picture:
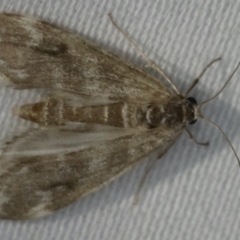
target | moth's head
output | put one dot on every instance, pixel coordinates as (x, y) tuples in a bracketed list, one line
[(192, 109)]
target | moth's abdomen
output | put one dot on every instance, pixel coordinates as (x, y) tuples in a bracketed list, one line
[(55, 112), (45, 113)]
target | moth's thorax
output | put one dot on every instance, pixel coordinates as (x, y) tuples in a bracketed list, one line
[(175, 113)]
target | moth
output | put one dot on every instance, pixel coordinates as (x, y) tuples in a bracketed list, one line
[(100, 117)]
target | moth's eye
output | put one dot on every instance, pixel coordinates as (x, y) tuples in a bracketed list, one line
[(192, 100), (193, 121)]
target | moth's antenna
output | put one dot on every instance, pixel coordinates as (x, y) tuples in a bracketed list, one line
[(213, 124), (229, 79), (225, 136), (195, 81), (151, 63)]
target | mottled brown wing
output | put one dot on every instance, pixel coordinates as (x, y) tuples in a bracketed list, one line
[(39, 176), (36, 54)]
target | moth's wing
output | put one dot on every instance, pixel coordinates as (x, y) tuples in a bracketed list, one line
[(36, 54), (36, 179)]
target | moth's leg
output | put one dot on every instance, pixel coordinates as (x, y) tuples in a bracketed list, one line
[(196, 80), (151, 63), (193, 138), (149, 167)]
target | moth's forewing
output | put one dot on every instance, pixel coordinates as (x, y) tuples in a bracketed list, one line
[(36, 54)]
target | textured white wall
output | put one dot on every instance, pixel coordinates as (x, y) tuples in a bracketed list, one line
[(193, 192)]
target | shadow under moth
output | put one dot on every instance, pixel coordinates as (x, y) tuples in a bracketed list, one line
[(101, 116)]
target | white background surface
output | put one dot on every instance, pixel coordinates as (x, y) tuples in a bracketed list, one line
[(193, 192)]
